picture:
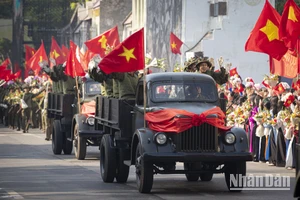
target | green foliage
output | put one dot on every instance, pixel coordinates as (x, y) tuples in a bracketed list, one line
[(279, 5), (6, 7), (5, 47), (46, 18)]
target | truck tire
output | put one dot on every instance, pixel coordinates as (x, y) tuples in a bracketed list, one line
[(236, 169), (67, 146), (108, 163), (122, 172), (79, 144), (191, 177), (57, 138), (206, 176), (144, 172)]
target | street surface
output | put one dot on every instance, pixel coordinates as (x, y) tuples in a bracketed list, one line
[(29, 170)]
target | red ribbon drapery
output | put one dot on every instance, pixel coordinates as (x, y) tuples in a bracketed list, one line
[(175, 120), (88, 108)]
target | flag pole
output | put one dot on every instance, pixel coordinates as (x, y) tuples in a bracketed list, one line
[(145, 71), (78, 96)]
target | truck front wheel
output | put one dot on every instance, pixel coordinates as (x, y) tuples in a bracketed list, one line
[(234, 170), (57, 138), (108, 163), (79, 144), (144, 172)]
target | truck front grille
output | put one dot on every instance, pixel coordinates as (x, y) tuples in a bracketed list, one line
[(198, 139)]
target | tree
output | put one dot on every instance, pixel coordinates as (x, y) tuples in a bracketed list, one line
[(5, 48), (279, 5), (6, 8)]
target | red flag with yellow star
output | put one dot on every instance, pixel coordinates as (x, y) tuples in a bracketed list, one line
[(175, 44), (56, 53), (289, 29), (98, 44), (233, 72), (279, 88), (265, 35), (29, 52), (73, 66), (65, 51), (128, 56), (39, 56)]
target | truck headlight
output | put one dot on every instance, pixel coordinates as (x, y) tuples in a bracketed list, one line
[(91, 121), (160, 138), (230, 138)]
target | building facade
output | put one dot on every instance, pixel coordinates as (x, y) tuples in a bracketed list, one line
[(214, 27)]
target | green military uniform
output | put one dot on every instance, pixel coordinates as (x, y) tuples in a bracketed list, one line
[(16, 113), (55, 77), (26, 113), (116, 88), (69, 84), (127, 85), (104, 79)]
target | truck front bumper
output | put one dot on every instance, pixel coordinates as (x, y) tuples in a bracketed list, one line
[(90, 133), (197, 157)]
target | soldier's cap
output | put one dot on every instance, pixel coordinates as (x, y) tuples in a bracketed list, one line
[(204, 60), (191, 61)]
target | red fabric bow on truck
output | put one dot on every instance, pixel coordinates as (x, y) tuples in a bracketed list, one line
[(175, 120)]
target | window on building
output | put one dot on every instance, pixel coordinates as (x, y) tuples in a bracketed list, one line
[(218, 8)]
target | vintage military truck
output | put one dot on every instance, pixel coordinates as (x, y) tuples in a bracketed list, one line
[(297, 186), (72, 128), (203, 149)]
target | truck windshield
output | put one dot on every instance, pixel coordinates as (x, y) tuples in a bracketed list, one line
[(184, 91), (93, 88)]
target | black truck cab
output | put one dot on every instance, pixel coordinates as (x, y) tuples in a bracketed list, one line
[(203, 149)]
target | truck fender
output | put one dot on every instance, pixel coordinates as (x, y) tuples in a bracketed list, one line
[(241, 144), (79, 119), (146, 138)]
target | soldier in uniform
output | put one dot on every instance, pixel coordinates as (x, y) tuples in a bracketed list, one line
[(204, 66), (16, 113), (110, 88), (127, 84), (47, 122), (26, 112)]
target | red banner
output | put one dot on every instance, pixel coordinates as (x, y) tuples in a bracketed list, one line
[(286, 67)]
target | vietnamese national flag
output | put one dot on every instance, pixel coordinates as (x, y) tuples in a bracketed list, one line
[(265, 35), (56, 52), (98, 44), (233, 72), (39, 56), (279, 88), (289, 29), (88, 55), (175, 44), (65, 51), (29, 52), (73, 67), (128, 56), (6, 62)]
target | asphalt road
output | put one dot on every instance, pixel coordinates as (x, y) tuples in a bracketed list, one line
[(29, 170)]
